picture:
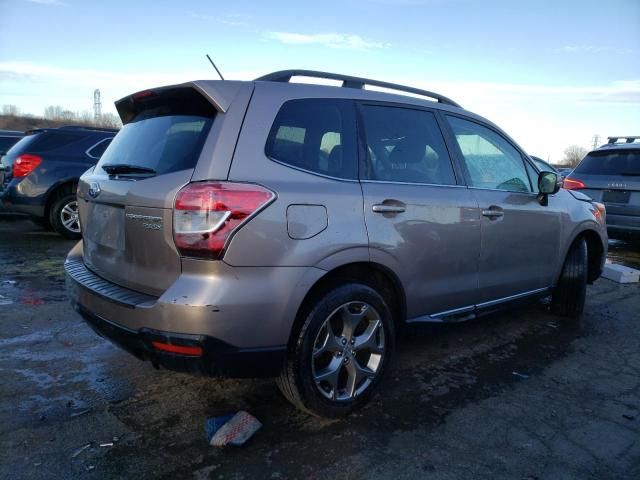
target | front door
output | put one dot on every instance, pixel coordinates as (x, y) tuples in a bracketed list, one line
[(520, 237), (421, 222)]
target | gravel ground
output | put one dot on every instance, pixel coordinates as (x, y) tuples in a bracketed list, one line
[(519, 395)]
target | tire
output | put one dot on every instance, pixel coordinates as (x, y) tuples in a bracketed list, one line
[(570, 293), (42, 222), (63, 214), (323, 344)]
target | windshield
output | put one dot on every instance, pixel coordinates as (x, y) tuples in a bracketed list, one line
[(164, 144), (616, 162)]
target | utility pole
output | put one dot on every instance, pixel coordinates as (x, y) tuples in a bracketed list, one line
[(596, 141), (97, 105)]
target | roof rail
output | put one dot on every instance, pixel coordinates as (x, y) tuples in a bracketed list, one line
[(353, 82), (629, 139), (87, 127)]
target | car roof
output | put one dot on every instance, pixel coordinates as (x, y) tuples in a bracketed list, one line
[(72, 128), (617, 146), (11, 133), (221, 93)]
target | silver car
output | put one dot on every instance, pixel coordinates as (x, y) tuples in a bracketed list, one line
[(271, 228), (611, 175)]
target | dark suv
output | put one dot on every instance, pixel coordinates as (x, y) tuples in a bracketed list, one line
[(611, 174), (39, 174)]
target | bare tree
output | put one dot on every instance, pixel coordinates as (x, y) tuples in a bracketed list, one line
[(573, 155), (53, 112), (109, 120), (10, 110)]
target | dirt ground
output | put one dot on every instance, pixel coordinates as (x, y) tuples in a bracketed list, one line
[(519, 395)]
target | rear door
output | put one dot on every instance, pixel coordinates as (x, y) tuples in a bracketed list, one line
[(421, 222), (126, 201), (520, 237)]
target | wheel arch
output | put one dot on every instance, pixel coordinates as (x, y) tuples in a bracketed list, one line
[(596, 252), (375, 275), (55, 189)]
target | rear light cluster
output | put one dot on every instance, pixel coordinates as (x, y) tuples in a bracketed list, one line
[(571, 184), (25, 164), (206, 214), (599, 212)]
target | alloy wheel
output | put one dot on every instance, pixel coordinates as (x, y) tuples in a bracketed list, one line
[(348, 351)]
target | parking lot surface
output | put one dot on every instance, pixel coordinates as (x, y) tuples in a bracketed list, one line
[(519, 395)]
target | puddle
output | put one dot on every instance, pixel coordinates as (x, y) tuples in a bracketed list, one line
[(625, 252)]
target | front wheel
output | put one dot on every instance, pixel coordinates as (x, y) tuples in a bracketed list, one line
[(340, 353), (570, 293)]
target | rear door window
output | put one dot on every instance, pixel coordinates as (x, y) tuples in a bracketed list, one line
[(405, 145), (617, 162), (47, 141), (97, 150), (318, 135), (165, 144)]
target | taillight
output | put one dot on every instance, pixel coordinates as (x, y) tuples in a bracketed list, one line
[(145, 94), (571, 184), (25, 164), (206, 214), (599, 212)]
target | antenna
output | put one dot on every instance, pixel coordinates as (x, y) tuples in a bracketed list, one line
[(214, 66)]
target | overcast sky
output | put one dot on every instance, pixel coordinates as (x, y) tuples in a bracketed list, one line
[(551, 73)]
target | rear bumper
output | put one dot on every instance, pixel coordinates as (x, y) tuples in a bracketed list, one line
[(240, 317), (623, 224), (13, 201), (218, 358)]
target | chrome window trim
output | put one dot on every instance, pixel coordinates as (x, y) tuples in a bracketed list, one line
[(94, 146), (304, 170), (414, 183)]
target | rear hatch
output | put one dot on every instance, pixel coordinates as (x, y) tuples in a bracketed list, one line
[(126, 201), (611, 176)]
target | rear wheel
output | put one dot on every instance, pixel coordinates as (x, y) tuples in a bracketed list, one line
[(63, 214), (340, 353), (570, 293)]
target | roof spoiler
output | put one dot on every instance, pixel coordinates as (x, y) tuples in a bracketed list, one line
[(217, 94)]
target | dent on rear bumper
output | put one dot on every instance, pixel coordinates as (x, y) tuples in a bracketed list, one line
[(246, 307)]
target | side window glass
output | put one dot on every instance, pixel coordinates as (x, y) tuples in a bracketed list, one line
[(491, 161), (405, 145), (98, 150), (318, 135)]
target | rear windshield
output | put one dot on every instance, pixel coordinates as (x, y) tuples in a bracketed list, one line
[(617, 162), (165, 144), (6, 143)]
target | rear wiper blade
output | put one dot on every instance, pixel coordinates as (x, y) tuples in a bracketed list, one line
[(115, 168), (630, 174)]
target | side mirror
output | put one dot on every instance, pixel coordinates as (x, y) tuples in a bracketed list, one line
[(548, 184)]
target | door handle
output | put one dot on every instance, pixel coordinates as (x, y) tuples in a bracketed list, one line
[(382, 208), (492, 213)]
